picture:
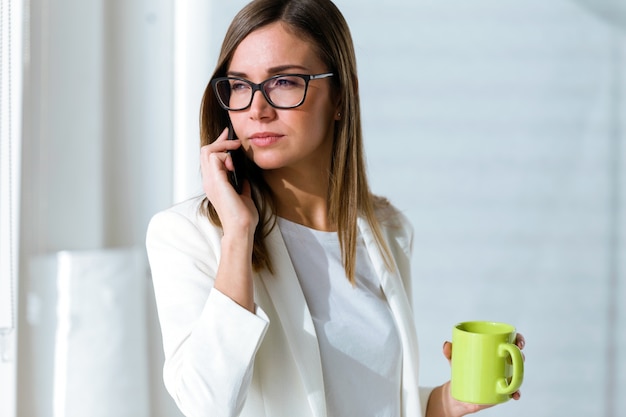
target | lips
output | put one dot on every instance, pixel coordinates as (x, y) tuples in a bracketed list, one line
[(262, 139)]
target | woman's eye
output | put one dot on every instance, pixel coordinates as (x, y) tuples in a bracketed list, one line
[(286, 82), (238, 86)]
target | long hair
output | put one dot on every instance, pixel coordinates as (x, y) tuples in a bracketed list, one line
[(349, 197)]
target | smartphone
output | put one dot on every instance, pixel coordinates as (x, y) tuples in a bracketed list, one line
[(236, 176)]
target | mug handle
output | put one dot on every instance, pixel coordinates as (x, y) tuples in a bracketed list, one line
[(518, 369)]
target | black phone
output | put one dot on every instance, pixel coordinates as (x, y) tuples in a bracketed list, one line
[(236, 176)]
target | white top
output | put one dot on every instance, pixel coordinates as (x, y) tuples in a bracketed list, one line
[(359, 344)]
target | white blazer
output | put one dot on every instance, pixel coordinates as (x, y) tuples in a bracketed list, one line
[(222, 360)]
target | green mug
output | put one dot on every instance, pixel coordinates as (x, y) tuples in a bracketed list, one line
[(487, 365)]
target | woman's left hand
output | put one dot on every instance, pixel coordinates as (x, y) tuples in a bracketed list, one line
[(442, 404)]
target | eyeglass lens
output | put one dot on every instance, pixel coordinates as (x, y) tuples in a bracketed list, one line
[(283, 91)]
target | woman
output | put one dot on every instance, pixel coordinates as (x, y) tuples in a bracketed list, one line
[(289, 298)]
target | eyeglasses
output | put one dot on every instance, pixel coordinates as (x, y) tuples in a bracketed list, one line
[(280, 91)]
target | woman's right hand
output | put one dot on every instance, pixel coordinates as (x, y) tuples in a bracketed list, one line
[(237, 212), (239, 218)]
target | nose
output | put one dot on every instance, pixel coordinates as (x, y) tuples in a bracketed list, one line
[(260, 108)]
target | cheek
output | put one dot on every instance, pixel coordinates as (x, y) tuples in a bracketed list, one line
[(321, 118), (317, 130)]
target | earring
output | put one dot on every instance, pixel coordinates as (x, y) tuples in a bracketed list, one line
[(338, 115)]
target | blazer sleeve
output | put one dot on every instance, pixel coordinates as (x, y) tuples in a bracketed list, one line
[(209, 341)]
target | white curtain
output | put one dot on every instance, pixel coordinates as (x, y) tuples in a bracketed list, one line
[(11, 59)]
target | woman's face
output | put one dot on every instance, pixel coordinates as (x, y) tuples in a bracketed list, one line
[(301, 138)]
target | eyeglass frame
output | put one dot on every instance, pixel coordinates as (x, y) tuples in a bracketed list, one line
[(259, 87)]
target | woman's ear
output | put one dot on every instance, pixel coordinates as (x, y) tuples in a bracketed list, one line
[(338, 107), (339, 104)]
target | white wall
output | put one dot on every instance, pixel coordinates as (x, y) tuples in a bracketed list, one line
[(497, 126), (504, 144), (507, 177)]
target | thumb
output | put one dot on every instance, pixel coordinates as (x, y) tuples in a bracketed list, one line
[(447, 350)]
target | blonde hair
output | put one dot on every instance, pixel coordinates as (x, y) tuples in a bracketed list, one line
[(349, 195)]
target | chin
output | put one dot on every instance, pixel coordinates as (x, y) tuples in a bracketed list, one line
[(267, 164)]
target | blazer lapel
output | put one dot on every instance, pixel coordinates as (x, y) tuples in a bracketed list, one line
[(391, 284), (288, 299), (390, 281)]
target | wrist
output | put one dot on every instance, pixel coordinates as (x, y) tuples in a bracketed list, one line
[(239, 229), (234, 273), (238, 241), (441, 404)]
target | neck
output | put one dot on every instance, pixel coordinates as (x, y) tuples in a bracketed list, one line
[(301, 197)]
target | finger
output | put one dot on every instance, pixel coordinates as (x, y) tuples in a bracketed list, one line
[(222, 143), (209, 156), (213, 165), (516, 395), (218, 148), (222, 136), (221, 146), (520, 341), (228, 161)]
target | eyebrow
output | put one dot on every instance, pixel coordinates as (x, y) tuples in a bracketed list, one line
[(273, 70)]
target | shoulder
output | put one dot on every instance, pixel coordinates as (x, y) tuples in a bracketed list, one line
[(186, 211), (391, 219), (394, 225), (188, 208), (183, 220)]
